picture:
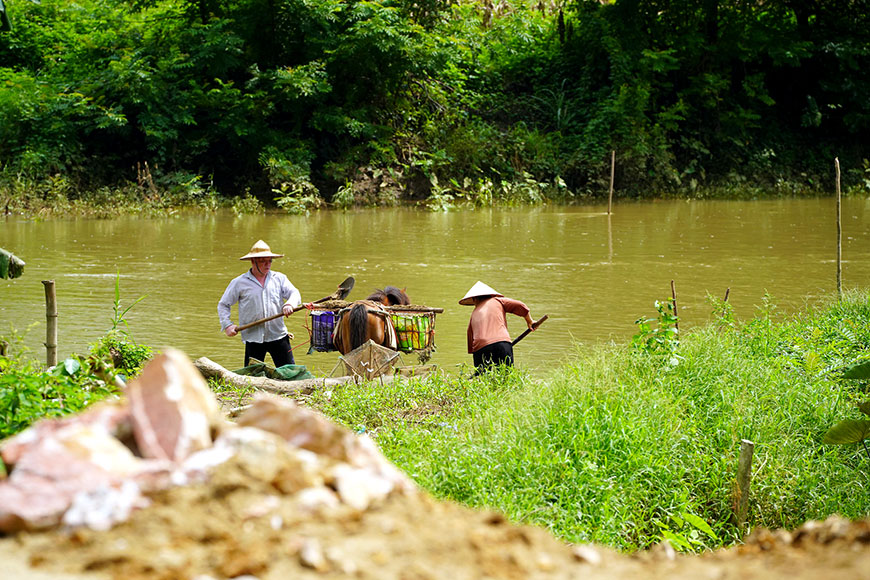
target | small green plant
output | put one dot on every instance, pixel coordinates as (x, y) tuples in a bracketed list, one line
[(723, 312), (297, 197), (849, 431), (687, 532), (117, 346), (663, 339), (344, 197), (440, 198), (28, 393), (230, 394), (119, 314), (246, 205)]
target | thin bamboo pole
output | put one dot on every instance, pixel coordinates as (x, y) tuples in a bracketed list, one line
[(839, 233), (51, 323), (609, 239), (727, 292), (744, 476), (612, 174), (674, 297)]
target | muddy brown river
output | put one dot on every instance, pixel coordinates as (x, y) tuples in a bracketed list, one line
[(593, 274)]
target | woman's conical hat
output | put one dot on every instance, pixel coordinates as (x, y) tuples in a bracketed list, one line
[(260, 250), (479, 289)]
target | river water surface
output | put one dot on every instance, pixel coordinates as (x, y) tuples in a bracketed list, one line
[(593, 274)]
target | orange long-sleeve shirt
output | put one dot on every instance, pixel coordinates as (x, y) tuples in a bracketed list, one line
[(488, 322)]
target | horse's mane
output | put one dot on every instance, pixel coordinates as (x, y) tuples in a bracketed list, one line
[(390, 296)]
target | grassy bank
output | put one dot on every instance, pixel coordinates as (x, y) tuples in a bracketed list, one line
[(626, 446)]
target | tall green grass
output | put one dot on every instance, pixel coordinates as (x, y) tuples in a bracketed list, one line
[(620, 446)]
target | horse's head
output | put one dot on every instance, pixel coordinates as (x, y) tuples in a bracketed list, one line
[(390, 296)]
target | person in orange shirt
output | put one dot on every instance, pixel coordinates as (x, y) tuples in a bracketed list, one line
[(488, 339)]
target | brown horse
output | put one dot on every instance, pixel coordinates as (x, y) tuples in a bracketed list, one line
[(366, 320)]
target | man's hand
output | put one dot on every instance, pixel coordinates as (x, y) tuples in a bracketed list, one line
[(231, 330), (531, 323), (287, 310)]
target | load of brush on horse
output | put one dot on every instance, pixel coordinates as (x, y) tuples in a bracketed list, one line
[(386, 318)]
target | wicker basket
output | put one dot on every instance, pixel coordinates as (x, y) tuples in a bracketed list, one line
[(414, 330), (322, 325)]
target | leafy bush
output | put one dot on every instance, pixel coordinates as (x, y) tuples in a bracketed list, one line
[(28, 394)]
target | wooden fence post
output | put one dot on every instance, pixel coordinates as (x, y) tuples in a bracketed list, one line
[(839, 234), (612, 173), (51, 323), (744, 476)]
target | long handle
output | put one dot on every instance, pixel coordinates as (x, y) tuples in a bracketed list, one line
[(262, 320), (528, 330), (343, 290)]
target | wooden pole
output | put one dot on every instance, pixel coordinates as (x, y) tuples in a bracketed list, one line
[(51, 323), (727, 292), (744, 475), (839, 234), (612, 173), (609, 239), (674, 296)]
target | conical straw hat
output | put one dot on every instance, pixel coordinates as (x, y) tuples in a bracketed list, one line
[(260, 250), (479, 289)]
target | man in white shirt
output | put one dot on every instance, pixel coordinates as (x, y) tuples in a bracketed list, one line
[(261, 293)]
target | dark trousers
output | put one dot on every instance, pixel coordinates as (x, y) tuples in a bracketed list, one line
[(279, 349), (497, 353)]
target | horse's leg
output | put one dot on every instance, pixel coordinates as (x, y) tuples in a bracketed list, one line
[(377, 328)]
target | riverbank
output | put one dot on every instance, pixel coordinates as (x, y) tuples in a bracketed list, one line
[(628, 444), (57, 197)]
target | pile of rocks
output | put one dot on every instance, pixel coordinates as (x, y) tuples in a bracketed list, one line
[(95, 468)]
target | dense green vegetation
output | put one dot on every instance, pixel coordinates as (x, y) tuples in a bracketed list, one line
[(29, 392), (178, 102), (628, 444)]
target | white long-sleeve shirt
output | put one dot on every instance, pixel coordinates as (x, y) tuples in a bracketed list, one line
[(258, 301)]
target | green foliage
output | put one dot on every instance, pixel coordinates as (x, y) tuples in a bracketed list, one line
[(723, 312), (299, 198), (440, 198), (697, 99), (688, 532), (344, 197), (119, 313), (28, 394), (246, 205), (610, 449), (662, 339), (116, 346), (231, 394), (850, 431)]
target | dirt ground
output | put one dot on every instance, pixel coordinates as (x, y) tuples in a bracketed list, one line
[(238, 527)]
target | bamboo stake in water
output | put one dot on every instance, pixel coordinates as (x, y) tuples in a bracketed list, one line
[(612, 172), (51, 323), (674, 296), (727, 292), (839, 234), (744, 475)]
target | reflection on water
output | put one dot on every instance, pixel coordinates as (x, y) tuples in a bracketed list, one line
[(592, 273)]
